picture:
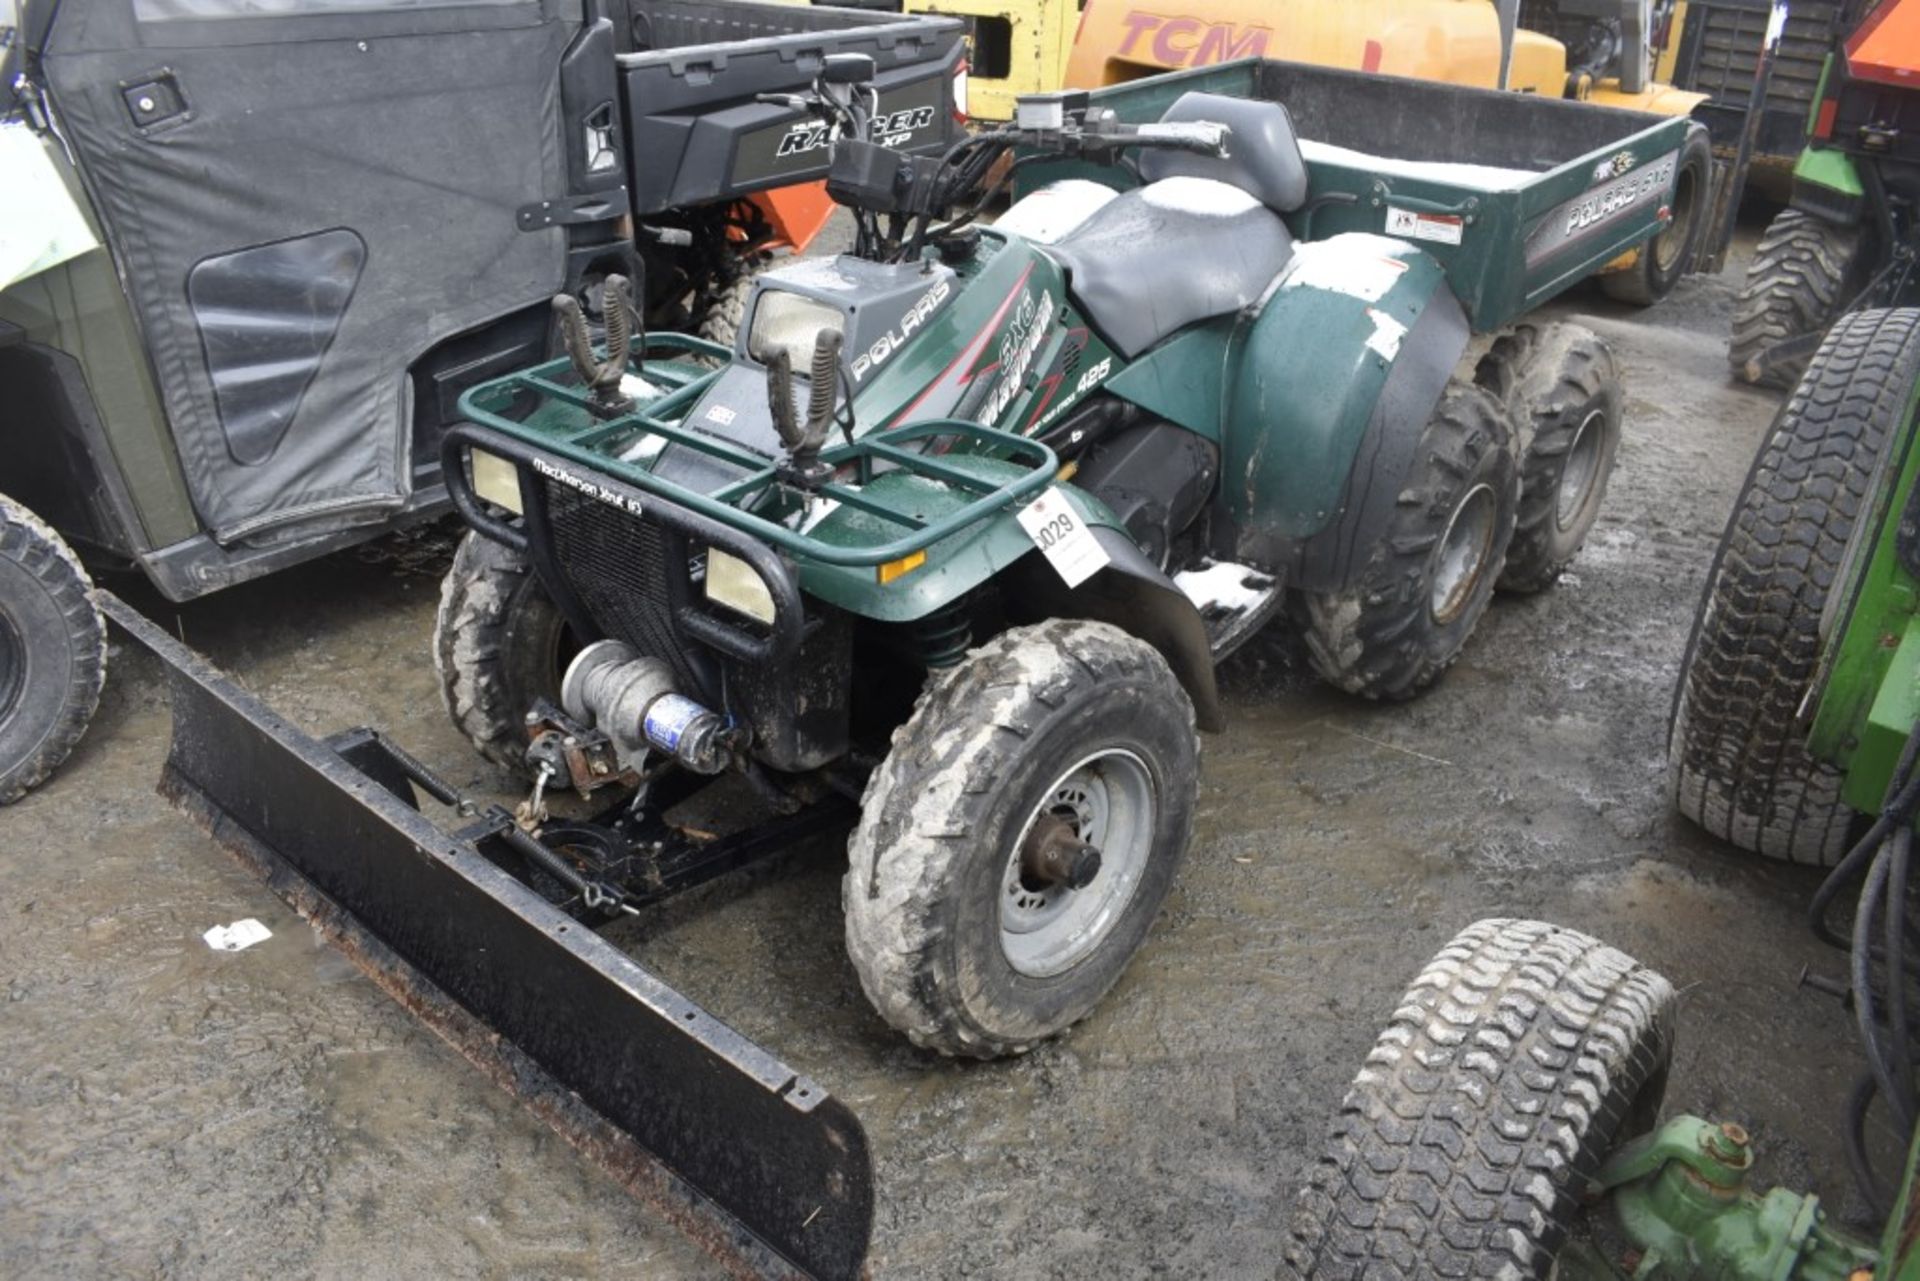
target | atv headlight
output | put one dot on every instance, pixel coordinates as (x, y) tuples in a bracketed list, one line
[(737, 585), (495, 480), (787, 322)]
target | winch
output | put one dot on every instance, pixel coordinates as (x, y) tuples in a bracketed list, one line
[(631, 698)]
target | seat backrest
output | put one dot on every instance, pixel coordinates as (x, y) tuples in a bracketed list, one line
[(1263, 154)]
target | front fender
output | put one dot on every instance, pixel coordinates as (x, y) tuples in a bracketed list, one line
[(1130, 592), (954, 566), (1331, 383)]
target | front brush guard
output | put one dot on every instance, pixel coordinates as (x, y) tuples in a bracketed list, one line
[(757, 1163)]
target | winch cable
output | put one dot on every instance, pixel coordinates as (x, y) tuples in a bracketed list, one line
[(1884, 855)]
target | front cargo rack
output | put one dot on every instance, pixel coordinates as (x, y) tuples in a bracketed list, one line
[(546, 414)]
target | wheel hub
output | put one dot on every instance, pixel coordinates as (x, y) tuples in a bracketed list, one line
[(13, 667), (1580, 471), (1080, 855), (1460, 558)]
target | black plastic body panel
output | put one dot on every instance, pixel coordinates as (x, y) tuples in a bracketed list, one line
[(58, 461), (696, 133)]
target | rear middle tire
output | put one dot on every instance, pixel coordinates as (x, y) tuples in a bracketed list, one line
[(1430, 576)]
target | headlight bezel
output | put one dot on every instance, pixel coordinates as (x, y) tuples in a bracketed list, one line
[(799, 318), (734, 584)]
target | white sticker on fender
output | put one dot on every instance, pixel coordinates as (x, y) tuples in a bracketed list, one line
[(1445, 229), (1063, 538)]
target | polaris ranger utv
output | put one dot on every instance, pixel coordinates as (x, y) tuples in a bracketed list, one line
[(945, 552), (252, 254)]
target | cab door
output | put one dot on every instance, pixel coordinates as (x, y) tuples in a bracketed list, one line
[(302, 197)]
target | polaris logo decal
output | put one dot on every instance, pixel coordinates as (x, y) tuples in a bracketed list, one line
[(895, 338), (1602, 208), (592, 489), (894, 129)]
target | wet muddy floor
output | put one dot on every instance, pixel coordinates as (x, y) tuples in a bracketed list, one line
[(168, 1110)]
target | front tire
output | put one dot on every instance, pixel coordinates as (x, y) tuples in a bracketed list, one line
[(499, 643), (1737, 759), (1669, 256), (1804, 270), (1519, 1059), (1562, 388), (1070, 730), (53, 651), (1429, 578)]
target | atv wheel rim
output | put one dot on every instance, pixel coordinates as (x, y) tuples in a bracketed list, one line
[(1461, 558), (1108, 800), (1671, 243), (1580, 471), (13, 668)]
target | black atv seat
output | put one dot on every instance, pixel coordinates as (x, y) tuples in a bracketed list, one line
[(1201, 239), (1165, 255)]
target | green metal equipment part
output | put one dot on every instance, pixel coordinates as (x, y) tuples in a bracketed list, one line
[(1681, 1196)]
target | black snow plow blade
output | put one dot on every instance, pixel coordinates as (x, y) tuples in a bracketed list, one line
[(757, 1163)]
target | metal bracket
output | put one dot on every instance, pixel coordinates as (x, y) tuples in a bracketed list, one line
[(566, 211)]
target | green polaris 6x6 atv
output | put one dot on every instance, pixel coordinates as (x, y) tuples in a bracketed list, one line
[(944, 551), (1006, 494)]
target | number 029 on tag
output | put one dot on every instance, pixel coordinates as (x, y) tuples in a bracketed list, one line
[(1063, 538)]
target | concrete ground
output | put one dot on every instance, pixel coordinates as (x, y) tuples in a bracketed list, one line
[(167, 1110)]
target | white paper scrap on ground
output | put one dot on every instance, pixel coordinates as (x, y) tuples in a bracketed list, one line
[(238, 936)]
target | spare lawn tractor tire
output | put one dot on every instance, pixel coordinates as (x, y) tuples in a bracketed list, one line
[(1562, 388), (499, 643), (1016, 845), (53, 651), (1804, 270), (1429, 577), (1737, 760), (1671, 254), (1520, 1058)]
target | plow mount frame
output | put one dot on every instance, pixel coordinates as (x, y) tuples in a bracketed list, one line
[(755, 1162)]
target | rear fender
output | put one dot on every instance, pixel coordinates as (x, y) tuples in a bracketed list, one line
[(1131, 592), (1331, 384)]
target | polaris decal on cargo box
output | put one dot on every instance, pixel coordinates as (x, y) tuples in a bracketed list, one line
[(1603, 208), (908, 118)]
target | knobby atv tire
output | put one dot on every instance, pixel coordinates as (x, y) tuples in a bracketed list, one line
[(1736, 750), (728, 310), (499, 643), (1521, 1056), (1668, 257), (53, 651), (1555, 380), (926, 865), (1380, 638), (1804, 270)]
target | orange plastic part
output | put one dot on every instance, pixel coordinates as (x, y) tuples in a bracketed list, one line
[(1886, 48), (795, 213)]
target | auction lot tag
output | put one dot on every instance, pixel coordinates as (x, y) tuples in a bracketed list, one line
[(1446, 229), (1057, 530)]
